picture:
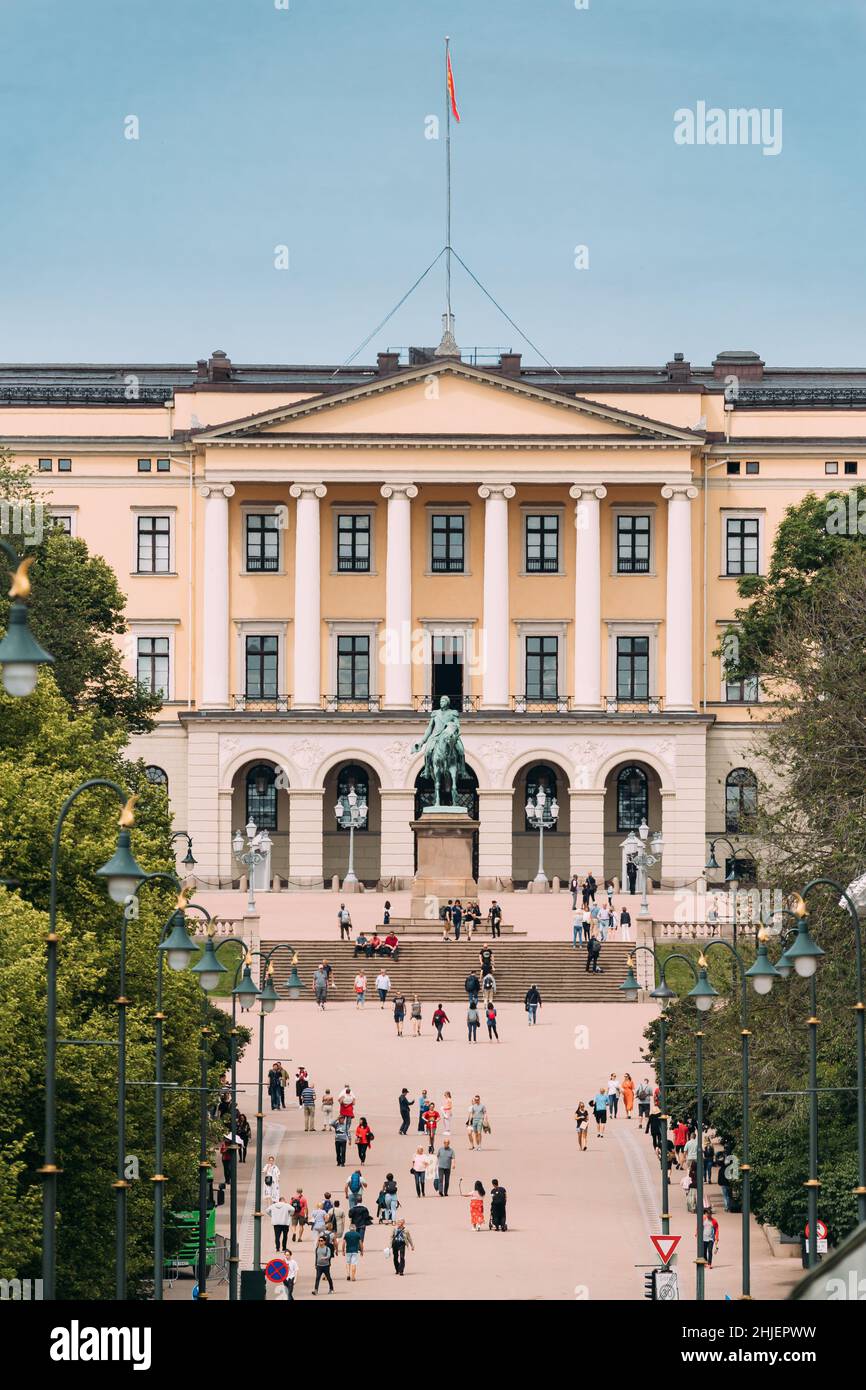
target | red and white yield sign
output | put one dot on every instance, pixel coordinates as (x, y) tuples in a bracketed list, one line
[(665, 1246)]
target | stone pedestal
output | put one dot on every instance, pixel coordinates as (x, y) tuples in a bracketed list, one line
[(444, 838)]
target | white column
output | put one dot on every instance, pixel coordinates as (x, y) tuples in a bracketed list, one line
[(398, 596), (215, 603), (587, 596), (497, 630), (307, 677), (679, 693), (398, 841), (495, 838)]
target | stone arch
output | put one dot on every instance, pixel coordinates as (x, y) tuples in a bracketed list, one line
[(525, 776), (368, 840), (351, 755), (278, 828), (633, 755), (651, 808), (230, 769)]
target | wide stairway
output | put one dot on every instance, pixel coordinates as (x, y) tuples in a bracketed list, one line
[(436, 970)]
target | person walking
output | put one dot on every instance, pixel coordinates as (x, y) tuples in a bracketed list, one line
[(383, 984), (274, 1086), (709, 1158), (354, 1190), (271, 1174), (600, 1107), (488, 988), (415, 1014), (399, 1013), (400, 1238), (344, 917), (300, 1211), (476, 1204), (457, 918), (680, 1137), (342, 1135), (404, 1103), (353, 1252), (440, 1018), (308, 1101), (390, 1202), (301, 1080), (593, 951), (346, 1102), (431, 1124), (477, 1122), (292, 1268), (486, 962), (498, 1202), (280, 1214), (710, 1236), (472, 985), (613, 1096), (447, 1111), (532, 1003), (576, 927), (445, 918), (360, 989), (589, 887), (494, 917), (625, 924), (320, 985), (644, 1098), (364, 1137), (284, 1085), (490, 1019), (574, 889), (473, 1018), (324, 1256), (581, 1120), (444, 1163), (419, 1170), (327, 1109), (424, 1103), (627, 1093)]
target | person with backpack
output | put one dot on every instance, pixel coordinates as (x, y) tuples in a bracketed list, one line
[(498, 1200), (494, 916), (644, 1095), (364, 1137), (532, 1003), (360, 1218), (440, 1018), (390, 1202), (399, 1013), (472, 985), (300, 1209), (473, 1018), (593, 951), (354, 1190), (445, 919), (399, 1240), (342, 1135), (346, 1102), (490, 1018), (344, 917), (324, 1256)]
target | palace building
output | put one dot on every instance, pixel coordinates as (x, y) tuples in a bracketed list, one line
[(313, 556)]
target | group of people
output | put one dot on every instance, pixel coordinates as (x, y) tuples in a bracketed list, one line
[(335, 1229), (456, 918), (605, 1105), (587, 887)]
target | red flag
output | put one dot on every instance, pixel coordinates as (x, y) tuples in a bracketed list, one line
[(449, 78)]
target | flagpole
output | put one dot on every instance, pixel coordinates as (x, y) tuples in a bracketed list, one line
[(447, 188)]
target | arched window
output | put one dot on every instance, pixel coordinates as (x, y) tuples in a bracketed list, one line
[(156, 777), (741, 798), (353, 776), (541, 777), (262, 796), (632, 798)]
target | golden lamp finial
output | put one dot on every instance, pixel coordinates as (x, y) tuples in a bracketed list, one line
[(21, 579), (183, 897), (702, 961), (127, 815)]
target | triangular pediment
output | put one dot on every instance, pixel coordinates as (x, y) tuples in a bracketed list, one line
[(447, 398)]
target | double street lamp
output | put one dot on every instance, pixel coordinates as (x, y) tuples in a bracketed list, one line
[(351, 813), (543, 813), (251, 853), (643, 849)]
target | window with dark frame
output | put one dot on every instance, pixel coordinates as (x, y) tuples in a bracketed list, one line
[(744, 692), (353, 667), (163, 465), (741, 798), (46, 465), (632, 668), (742, 542), (64, 465), (262, 652), (145, 465), (156, 777), (152, 670), (261, 796), (447, 535), (542, 668), (353, 542), (632, 798), (632, 544), (154, 545), (355, 778), (851, 467), (262, 542), (542, 543)]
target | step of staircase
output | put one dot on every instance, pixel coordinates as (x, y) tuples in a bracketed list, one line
[(436, 970)]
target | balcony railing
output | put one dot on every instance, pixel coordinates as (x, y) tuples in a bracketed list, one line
[(348, 704), (527, 704), (617, 704), (466, 704), (262, 704)]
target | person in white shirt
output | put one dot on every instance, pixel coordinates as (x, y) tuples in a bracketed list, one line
[(271, 1175), (291, 1276), (612, 1096), (614, 922), (360, 990), (383, 984), (280, 1214)]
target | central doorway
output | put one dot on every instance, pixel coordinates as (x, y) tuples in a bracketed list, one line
[(447, 660)]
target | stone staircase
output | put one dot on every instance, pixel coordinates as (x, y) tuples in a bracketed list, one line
[(436, 970)]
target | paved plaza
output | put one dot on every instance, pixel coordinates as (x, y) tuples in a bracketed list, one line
[(578, 1224)]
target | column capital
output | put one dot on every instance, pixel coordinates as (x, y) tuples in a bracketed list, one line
[(389, 490), (503, 490), (316, 490), (683, 492), (223, 490), (580, 490)]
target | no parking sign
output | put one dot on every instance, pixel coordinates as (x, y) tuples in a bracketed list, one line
[(276, 1271)]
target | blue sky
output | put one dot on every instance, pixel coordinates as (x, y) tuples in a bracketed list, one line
[(305, 127)]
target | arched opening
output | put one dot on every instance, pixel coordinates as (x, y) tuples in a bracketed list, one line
[(361, 779), (467, 795), (259, 795), (741, 800), (157, 777), (632, 794), (525, 835)]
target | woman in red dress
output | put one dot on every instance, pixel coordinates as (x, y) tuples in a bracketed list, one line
[(476, 1205)]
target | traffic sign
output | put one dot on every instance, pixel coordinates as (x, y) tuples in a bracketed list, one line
[(822, 1237), (276, 1271), (667, 1287), (195, 1291), (665, 1246)]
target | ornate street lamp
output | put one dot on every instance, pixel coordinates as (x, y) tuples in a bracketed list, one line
[(712, 862), (251, 854), (351, 814), (543, 813), (20, 653), (189, 861), (643, 850)]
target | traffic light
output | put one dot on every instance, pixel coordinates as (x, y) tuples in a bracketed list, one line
[(649, 1285)]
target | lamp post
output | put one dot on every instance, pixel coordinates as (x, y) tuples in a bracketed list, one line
[(122, 875), (251, 854), (543, 812), (20, 653), (245, 993), (662, 992), (268, 1000), (189, 861), (643, 850), (351, 813), (712, 863)]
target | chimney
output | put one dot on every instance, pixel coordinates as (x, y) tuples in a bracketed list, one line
[(679, 369), (509, 363), (387, 362), (201, 369), (219, 368), (747, 366)]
